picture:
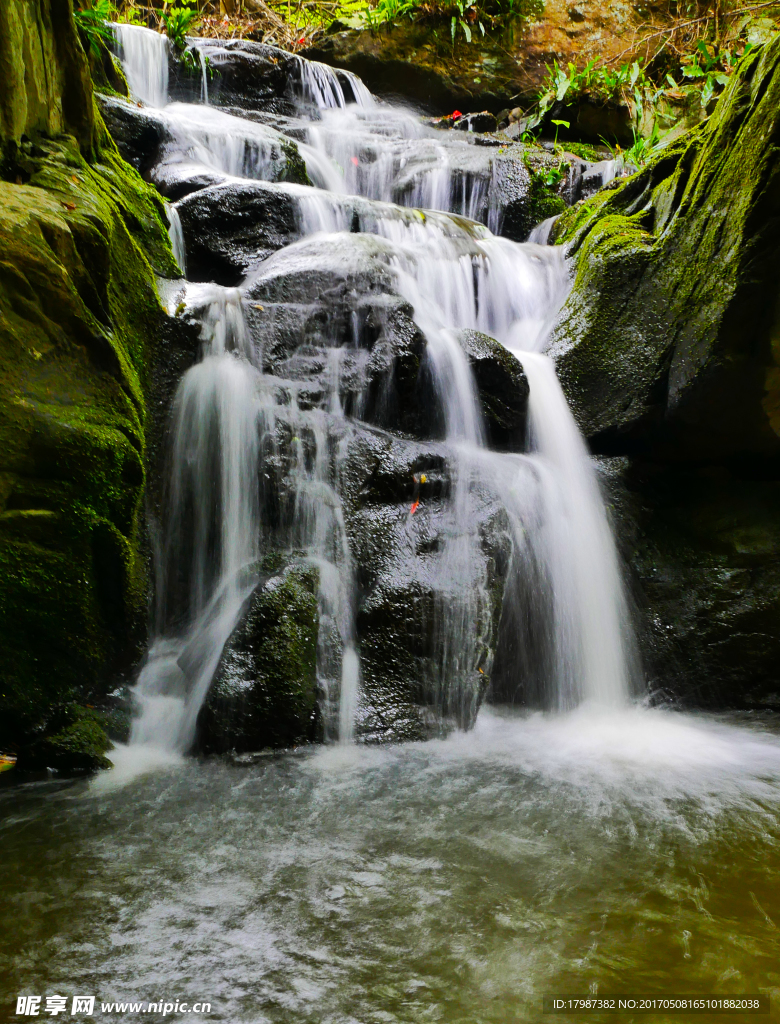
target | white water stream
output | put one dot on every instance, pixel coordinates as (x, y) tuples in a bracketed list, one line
[(229, 415)]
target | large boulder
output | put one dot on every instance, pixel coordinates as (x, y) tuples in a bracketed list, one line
[(665, 345), (79, 330), (244, 74), (667, 350), (428, 606), (230, 227), (264, 692)]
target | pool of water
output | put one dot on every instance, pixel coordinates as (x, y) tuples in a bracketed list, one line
[(453, 881)]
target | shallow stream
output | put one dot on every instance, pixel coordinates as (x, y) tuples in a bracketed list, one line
[(455, 881)]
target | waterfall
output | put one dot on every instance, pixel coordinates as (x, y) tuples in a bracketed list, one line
[(177, 237), (246, 438), (144, 56), (322, 86), (594, 640)]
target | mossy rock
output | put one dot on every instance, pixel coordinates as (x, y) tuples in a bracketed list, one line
[(80, 323), (45, 86), (669, 343), (264, 692), (76, 740)]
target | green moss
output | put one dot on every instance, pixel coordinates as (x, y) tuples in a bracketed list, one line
[(265, 690), (664, 340), (79, 319), (77, 741), (543, 201), (295, 166)]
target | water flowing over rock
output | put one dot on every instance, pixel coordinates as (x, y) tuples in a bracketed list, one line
[(666, 348), (363, 340)]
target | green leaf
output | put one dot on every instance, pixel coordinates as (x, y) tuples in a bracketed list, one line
[(563, 87), (563, 124), (466, 31), (453, 25)]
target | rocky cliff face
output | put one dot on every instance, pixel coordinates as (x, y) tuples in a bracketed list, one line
[(418, 61), (81, 328), (668, 350)]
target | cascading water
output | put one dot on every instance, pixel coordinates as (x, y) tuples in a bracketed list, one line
[(144, 56), (373, 168)]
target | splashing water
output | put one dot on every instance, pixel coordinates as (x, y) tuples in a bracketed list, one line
[(374, 167)]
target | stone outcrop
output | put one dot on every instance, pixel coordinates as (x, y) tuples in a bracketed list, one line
[(668, 351), (80, 322), (417, 61)]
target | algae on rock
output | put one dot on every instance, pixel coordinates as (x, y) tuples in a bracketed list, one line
[(83, 237), (668, 349), (665, 344)]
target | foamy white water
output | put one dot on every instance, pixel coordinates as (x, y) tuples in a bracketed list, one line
[(373, 167)]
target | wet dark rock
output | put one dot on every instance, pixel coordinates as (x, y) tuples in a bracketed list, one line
[(231, 227), (502, 388), (245, 74), (704, 550), (139, 136), (178, 178), (264, 692), (481, 122), (404, 606)]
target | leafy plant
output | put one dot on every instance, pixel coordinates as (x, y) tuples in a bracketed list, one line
[(554, 175), (467, 19), (177, 21), (710, 69), (91, 20), (559, 124)]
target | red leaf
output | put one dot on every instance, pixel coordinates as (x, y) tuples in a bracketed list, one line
[(457, 113), (355, 161), (413, 509)]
